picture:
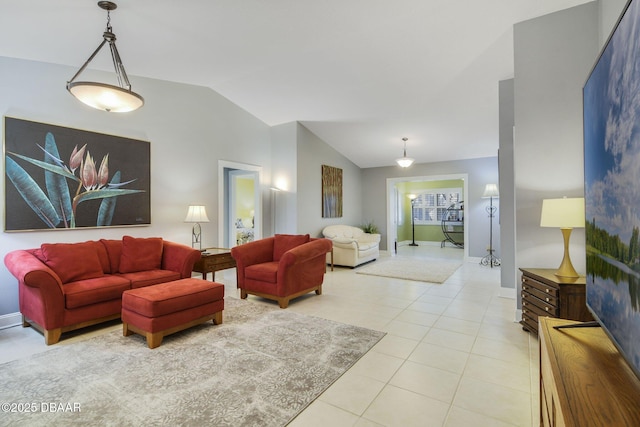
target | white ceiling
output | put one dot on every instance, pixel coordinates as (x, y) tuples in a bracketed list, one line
[(360, 74)]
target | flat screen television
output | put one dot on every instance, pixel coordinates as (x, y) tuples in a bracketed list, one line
[(611, 100)]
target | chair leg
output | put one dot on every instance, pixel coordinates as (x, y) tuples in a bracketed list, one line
[(52, 336), (319, 290), (243, 294), (283, 302)]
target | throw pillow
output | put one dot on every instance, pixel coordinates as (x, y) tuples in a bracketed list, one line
[(140, 254), (285, 242), (72, 261)]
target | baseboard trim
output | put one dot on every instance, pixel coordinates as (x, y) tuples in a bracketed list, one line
[(518, 315), (509, 293), (10, 320)]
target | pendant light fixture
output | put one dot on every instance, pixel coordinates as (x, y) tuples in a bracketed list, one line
[(116, 99), (404, 161)]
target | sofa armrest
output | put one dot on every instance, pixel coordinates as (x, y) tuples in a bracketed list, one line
[(43, 299), (179, 258), (369, 238)]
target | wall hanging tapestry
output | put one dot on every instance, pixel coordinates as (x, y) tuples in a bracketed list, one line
[(61, 178), (331, 192)]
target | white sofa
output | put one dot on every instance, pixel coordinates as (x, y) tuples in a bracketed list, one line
[(351, 245)]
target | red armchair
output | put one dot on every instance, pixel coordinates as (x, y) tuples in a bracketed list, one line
[(282, 267)]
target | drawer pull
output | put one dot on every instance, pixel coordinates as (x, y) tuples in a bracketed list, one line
[(547, 299), (546, 309), (547, 290), (524, 288), (524, 303)]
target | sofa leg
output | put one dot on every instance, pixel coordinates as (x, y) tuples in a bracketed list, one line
[(52, 336), (125, 330), (283, 302), (25, 323), (217, 318), (319, 290), (243, 294)]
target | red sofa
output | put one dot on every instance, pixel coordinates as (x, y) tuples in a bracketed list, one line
[(281, 267), (67, 286)]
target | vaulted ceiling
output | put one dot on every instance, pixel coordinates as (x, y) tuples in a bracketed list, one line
[(360, 74)]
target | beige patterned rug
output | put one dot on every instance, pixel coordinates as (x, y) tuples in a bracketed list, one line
[(419, 269), (261, 367)]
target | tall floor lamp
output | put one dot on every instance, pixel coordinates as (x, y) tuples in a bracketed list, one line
[(412, 197), (490, 191), (196, 214)]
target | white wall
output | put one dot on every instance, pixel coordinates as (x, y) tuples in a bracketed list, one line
[(190, 128), (508, 277), (553, 56)]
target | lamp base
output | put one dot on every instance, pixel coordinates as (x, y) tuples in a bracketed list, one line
[(566, 268), (491, 260)]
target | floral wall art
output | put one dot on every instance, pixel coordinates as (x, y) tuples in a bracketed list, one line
[(64, 178)]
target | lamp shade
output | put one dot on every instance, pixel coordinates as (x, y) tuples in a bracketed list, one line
[(196, 214), (404, 162), (106, 97), (490, 190), (563, 213)]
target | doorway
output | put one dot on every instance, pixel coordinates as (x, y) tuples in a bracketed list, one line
[(396, 197), (239, 203)]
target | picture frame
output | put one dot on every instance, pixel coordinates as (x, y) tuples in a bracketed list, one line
[(60, 178), (331, 192)]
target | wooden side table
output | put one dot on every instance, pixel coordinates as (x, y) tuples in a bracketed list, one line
[(212, 260)]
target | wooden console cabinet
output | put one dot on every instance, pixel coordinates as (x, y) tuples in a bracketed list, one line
[(546, 295), (583, 379)]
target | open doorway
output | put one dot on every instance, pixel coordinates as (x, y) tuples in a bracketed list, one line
[(239, 203), (400, 210)]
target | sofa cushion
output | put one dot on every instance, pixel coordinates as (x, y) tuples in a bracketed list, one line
[(284, 242), (140, 279), (114, 251), (72, 261), (265, 272), (140, 254), (92, 291)]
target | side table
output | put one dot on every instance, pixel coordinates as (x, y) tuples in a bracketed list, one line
[(212, 260)]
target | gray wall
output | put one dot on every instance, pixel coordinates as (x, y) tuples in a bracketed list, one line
[(508, 279), (190, 128), (480, 172), (312, 154), (553, 55)]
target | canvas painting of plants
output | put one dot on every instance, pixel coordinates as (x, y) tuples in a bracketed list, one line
[(63, 178)]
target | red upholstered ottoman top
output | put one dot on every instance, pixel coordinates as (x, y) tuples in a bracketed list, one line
[(170, 297)]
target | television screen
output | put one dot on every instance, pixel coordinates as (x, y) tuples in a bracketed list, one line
[(611, 98)]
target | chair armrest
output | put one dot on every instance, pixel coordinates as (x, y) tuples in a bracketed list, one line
[(299, 254), (179, 258), (255, 252)]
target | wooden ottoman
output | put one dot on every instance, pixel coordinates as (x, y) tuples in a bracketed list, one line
[(160, 310)]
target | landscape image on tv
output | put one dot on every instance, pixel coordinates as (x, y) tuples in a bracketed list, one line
[(612, 186)]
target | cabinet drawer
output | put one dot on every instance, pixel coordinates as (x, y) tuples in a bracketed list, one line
[(545, 310), (529, 321), (550, 298), (547, 305), (533, 285)]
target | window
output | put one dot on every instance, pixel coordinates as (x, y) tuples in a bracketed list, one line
[(430, 205)]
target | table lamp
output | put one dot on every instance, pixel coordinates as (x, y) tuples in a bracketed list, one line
[(196, 214), (565, 214)]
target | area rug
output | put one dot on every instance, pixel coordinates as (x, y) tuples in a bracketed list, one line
[(261, 367), (419, 269)]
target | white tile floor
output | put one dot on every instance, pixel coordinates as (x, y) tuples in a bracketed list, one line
[(452, 356)]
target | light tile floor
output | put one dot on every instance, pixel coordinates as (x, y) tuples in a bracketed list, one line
[(453, 354)]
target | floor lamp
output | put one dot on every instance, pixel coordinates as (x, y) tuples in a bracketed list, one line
[(491, 191), (412, 197)]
